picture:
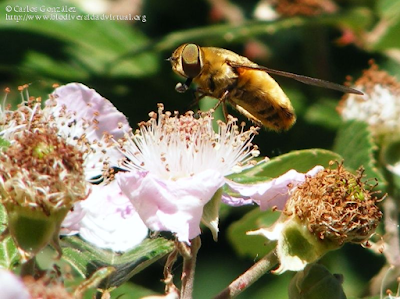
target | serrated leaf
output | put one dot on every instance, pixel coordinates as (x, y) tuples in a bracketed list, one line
[(86, 258), (9, 255), (354, 142), (301, 161), (252, 246)]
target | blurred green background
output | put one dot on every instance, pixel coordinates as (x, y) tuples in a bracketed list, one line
[(125, 61)]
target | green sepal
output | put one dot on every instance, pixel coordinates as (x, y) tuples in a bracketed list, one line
[(210, 217), (32, 230)]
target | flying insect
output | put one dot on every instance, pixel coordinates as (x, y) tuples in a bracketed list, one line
[(245, 85)]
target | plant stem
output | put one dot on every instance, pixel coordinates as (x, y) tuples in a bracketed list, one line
[(168, 277), (249, 277), (28, 268), (189, 266)]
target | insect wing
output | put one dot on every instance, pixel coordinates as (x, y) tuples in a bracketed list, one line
[(301, 78)]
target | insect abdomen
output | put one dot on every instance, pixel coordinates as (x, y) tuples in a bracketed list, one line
[(263, 99)]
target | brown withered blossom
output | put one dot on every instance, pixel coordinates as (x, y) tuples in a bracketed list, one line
[(327, 210), (336, 205)]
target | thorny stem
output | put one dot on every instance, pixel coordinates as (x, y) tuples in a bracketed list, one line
[(249, 277), (189, 265)]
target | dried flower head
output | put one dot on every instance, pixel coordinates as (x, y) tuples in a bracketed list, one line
[(323, 213), (380, 104), (46, 287), (337, 206), (41, 172), (41, 177)]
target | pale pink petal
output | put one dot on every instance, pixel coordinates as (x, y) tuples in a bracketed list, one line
[(271, 193), (72, 222), (171, 205), (91, 115), (110, 220), (11, 286), (89, 105)]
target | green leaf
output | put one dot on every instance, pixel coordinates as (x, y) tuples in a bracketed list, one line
[(83, 47), (301, 161), (9, 255), (356, 19), (134, 291), (354, 142), (252, 246), (389, 38), (388, 9), (93, 281), (86, 258), (390, 155), (315, 282), (389, 26), (324, 113)]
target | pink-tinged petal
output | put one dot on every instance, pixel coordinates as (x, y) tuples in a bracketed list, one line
[(171, 205), (269, 194), (72, 222), (11, 286), (110, 220), (89, 105), (239, 199), (82, 111)]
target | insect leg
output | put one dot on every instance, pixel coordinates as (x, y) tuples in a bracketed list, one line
[(197, 96), (222, 101)]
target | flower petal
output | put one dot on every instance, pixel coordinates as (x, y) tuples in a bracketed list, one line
[(89, 105), (109, 221), (171, 205), (268, 194), (72, 222), (92, 116), (11, 286)]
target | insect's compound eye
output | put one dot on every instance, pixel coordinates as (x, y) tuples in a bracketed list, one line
[(191, 62)]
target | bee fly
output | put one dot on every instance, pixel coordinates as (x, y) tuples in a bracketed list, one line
[(245, 85)]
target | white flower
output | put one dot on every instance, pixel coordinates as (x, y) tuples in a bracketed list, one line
[(106, 218), (380, 104), (176, 164), (110, 220)]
